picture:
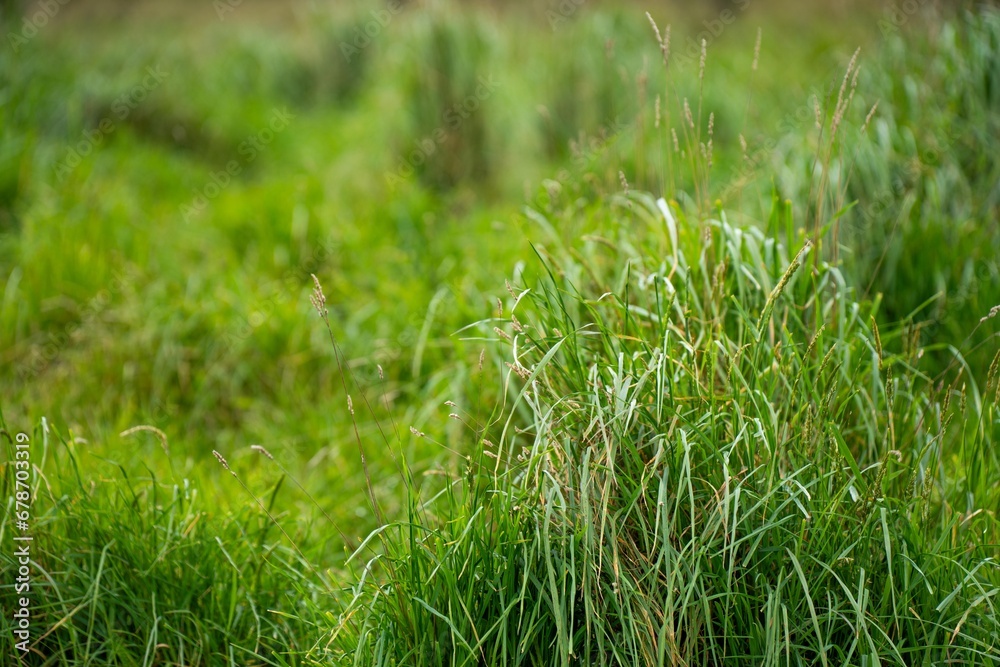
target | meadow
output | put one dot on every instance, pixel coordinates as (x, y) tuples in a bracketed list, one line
[(437, 333)]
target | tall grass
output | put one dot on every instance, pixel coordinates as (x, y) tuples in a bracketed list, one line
[(687, 443), (921, 181), (712, 455), (931, 185), (709, 457), (137, 569)]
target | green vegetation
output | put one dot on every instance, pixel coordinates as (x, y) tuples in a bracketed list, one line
[(720, 463), (752, 422), (130, 571)]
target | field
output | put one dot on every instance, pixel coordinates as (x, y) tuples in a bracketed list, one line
[(550, 333)]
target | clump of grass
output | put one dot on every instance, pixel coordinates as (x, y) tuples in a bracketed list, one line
[(704, 428), (138, 570), (921, 181), (706, 460)]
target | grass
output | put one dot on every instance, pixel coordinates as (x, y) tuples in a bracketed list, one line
[(934, 171), (133, 569), (708, 458), (823, 458)]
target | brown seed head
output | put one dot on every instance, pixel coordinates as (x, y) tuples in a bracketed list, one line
[(262, 450), (222, 461)]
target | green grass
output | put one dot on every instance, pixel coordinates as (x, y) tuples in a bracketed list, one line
[(136, 569), (943, 187), (121, 307), (710, 457)]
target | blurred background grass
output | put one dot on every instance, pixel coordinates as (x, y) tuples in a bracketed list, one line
[(171, 173)]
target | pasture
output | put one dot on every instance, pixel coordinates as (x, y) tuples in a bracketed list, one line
[(531, 333)]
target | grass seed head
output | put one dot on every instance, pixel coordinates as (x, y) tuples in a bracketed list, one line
[(701, 63), (780, 287), (890, 392), (843, 104), (317, 298), (222, 461), (878, 341), (521, 371), (262, 450), (925, 495), (868, 118), (946, 415), (756, 51), (991, 375), (151, 429), (813, 341), (711, 131), (662, 40)]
